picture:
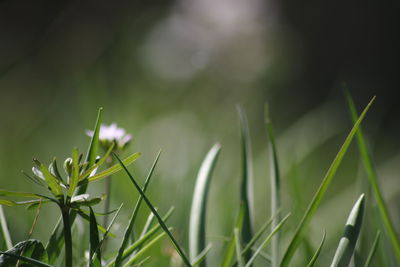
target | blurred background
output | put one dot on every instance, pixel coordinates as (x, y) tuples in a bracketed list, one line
[(172, 72)]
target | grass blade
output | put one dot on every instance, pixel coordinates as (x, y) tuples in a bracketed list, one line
[(197, 226), (147, 225), (275, 186), (128, 231), (238, 246), (267, 239), (152, 208), (373, 179), (347, 243), (316, 254), (94, 242), (115, 168), (246, 187), (145, 249), (313, 206), (230, 251), (4, 229), (202, 256), (373, 249), (138, 244)]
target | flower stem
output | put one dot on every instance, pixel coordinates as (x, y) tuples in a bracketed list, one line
[(67, 236)]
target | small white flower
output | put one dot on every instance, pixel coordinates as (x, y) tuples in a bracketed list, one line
[(110, 134)]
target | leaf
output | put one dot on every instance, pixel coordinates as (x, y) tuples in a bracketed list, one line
[(316, 254), (52, 182), (152, 208), (347, 243), (202, 255), (369, 166), (230, 250), (197, 225), (275, 186), (30, 250), (317, 198), (124, 243), (85, 200), (246, 187), (18, 194), (73, 181), (99, 163), (114, 169), (238, 246), (87, 218), (265, 242), (147, 225), (137, 244), (145, 249), (373, 249), (53, 168), (94, 242), (4, 228), (94, 142)]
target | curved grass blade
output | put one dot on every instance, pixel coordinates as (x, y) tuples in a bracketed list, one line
[(267, 239), (202, 256), (347, 243), (197, 225), (94, 242), (246, 186), (152, 208), (4, 229), (275, 186), (313, 206), (230, 251), (132, 248), (316, 254), (117, 167), (373, 179), (145, 249), (128, 231), (373, 249), (147, 225), (238, 246)]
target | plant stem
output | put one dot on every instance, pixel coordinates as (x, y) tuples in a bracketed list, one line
[(67, 236)]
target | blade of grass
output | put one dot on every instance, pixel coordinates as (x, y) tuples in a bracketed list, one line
[(230, 251), (202, 255), (275, 186), (147, 225), (238, 246), (317, 252), (152, 208), (373, 179), (4, 229), (94, 242), (197, 225), (94, 142), (246, 187), (347, 243), (132, 248), (373, 249), (267, 239), (128, 231), (145, 249), (313, 206)]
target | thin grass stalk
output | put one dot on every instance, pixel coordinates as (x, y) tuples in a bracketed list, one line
[(373, 179), (275, 187)]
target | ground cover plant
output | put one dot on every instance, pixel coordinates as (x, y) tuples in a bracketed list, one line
[(271, 244)]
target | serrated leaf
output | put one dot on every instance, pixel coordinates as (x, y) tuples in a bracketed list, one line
[(197, 225)]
